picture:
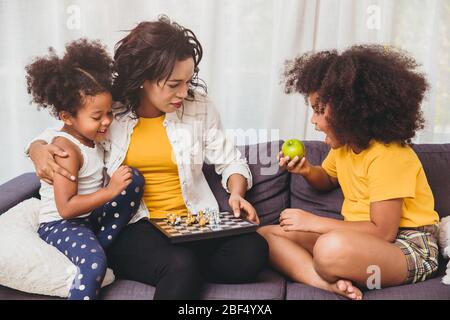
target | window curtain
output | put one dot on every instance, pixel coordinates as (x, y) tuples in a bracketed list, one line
[(246, 43)]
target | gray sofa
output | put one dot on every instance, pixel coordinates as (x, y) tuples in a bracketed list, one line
[(273, 191)]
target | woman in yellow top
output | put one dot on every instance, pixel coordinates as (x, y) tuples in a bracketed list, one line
[(367, 102)]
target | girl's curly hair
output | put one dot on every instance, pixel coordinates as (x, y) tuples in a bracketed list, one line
[(61, 84), (373, 92), (149, 52)]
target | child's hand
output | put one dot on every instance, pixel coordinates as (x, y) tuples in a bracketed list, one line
[(298, 220), (296, 165), (120, 179)]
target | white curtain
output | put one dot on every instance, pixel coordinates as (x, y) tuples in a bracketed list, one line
[(246, 43)]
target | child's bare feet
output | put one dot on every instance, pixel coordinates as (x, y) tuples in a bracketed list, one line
[(347, 289)]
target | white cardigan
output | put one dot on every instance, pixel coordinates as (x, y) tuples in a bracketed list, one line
[(196, 135)]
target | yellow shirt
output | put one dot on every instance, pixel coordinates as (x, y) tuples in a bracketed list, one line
[(151, 153), (378, 173)]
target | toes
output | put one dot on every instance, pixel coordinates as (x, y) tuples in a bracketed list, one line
[(341, 285), (347, 289)]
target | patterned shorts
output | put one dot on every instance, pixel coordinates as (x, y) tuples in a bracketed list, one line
[(420, 246)]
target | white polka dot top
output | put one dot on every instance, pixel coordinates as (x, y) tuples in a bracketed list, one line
[(90, 179)]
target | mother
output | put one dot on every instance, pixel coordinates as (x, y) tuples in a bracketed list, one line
[(167, 129)]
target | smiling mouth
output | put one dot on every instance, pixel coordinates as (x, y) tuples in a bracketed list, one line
[(102, 131), (177, 104)]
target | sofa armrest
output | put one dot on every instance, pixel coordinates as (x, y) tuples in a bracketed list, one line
[(18, 189)]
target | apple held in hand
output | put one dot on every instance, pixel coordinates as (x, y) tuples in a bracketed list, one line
[(292, 148)]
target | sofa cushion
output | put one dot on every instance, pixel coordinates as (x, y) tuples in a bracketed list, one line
[(303, 196), (127, 290), (270, 192), (435, 159), (18, 189), (300, 291), (119, 290), (269, 285), (431, 289), (12, 294), (27, 262)]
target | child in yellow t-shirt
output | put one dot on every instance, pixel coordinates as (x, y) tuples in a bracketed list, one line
[(367, 102)]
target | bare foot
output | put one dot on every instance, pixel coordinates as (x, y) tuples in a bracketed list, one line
[(347, 289)]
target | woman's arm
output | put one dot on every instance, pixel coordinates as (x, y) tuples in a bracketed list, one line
[(42, 153), (229, 163), (384, 221), (237, 184), (221, 151), (43, 156), (68, 202)]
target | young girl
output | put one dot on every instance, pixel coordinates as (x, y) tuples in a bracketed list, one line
[(367, 102), (81, 217)]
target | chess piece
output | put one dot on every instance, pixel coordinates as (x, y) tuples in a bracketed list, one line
[(203, 221), (200, 215), (190, 219), (173, 219)]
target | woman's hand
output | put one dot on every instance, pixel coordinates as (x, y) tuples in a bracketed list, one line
[(43, 157), (298, 220), (238, 203), (296, 165)]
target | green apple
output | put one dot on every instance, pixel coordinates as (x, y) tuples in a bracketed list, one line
[(292, 148)]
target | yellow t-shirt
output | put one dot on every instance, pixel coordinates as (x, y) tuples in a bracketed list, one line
[(382, 172), (151, 153)]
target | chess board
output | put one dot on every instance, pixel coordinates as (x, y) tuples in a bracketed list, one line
[(229, 226)]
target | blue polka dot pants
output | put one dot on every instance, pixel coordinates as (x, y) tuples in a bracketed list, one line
[(83, 240)]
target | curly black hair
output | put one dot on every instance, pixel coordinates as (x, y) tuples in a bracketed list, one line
[(149, 52), (373, 92), (60, 84)]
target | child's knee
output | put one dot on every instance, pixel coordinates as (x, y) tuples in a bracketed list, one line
[(270, 230), (95, 264)]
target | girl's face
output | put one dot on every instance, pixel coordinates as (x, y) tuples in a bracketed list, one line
[(92, 121), (162, 97), (319, 120)]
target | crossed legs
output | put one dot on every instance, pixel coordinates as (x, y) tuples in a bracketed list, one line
[(335, 260)]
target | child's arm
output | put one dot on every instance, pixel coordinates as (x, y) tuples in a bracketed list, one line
[(384, 221), (68, 202), (316, 176)]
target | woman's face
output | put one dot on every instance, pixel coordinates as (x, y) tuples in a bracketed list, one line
[(168, 96), (319, 120)]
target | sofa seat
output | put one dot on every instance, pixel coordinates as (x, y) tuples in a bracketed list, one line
[(431, 289), (273, 191), (269, 285)]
